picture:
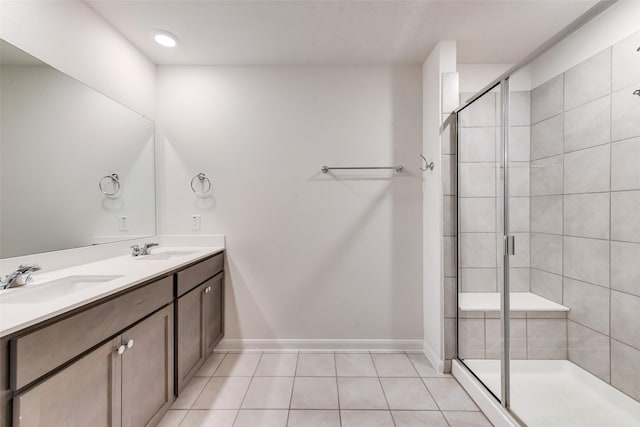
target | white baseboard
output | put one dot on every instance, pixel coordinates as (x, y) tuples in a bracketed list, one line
[(496, 413), (230, 344), (434, 359)]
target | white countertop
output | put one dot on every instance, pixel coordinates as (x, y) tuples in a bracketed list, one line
[(520, 301), (134, 270)]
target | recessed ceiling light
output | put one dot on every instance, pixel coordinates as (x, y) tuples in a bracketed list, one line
[(165, 38)]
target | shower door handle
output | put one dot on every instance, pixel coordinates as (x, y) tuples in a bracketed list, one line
[(509, 245)]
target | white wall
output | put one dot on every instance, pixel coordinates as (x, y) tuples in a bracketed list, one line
[(71, 37), (310, 256), (440, 61), (614, 24)]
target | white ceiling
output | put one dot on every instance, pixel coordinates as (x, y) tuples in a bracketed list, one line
[(338, 32)]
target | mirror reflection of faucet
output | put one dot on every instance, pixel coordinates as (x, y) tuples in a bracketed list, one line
[(20, 277), (136, 250)]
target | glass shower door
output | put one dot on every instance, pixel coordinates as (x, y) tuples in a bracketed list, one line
[(480, 198)]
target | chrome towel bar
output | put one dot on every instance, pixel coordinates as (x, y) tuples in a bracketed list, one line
[(326, 169)]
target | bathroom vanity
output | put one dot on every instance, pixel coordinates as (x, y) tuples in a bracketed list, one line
[(115, 354)]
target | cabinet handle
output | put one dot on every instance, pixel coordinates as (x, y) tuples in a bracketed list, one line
[(129, 343), (207, 289), (121, 349)]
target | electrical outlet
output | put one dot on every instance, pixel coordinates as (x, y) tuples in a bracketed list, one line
[(123, 223), (195, 222)]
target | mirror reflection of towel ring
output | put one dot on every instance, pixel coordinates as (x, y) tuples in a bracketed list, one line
[(204, 181), (114, 179)]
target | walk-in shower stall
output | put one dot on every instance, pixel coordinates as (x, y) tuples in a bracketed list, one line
[(548, 273)]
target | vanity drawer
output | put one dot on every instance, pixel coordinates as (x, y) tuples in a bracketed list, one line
[(191, 277), (43, 350)]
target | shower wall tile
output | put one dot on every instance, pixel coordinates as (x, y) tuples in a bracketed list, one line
[(481, 113), (449, 338), (478, 250), (589, 350), (519, 144), (626, 62), (449, 175), (625, 110), (519, 214), (520, 108), (519, 179), (477, 179), (522, 255), (471, 338), (547, 339), (588, 125), (477, 144), (587, 171), (546, 176), (520, 279), (625, 368), (449, 215), (547, 100), (625, 172), (547, 285), (589, 304), (625, 224), (624, 318), (587, 215), (449, 255), (546, 252), (450, 297), (625, 267), (587, 260), (479, 280), (588, 80), (546, 214), (518, 336), (546, 138), (478, 214)]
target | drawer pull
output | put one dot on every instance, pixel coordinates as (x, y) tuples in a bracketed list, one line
[(129, 343), (121, 349)]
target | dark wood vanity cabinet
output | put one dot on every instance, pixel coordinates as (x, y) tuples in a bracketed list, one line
[(114, 362), (199, 316), (124, 382)]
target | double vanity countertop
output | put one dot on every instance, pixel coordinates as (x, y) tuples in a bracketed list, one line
[(25, 306)]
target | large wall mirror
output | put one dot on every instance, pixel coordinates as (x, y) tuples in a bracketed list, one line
[(76, 167)]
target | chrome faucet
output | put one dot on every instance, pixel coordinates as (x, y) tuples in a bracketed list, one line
[(20, 277), (144, 250)]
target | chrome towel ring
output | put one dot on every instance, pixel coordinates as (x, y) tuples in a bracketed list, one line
[(205, 182), (114, 179)]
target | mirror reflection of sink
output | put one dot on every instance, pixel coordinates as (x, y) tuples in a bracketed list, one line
[(166, 255), (38, 293)]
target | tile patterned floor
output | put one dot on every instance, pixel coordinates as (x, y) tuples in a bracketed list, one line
[(306, 389)]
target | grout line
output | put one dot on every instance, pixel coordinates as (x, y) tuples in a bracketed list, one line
[(293, 386), (382, 388), (248, 387), (337, 389)]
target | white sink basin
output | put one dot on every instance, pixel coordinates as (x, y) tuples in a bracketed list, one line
[(165, 255), (38, 293)]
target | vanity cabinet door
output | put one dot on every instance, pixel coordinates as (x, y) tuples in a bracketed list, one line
[(190, 310), (213, 311), (147, 370), (85, 393)]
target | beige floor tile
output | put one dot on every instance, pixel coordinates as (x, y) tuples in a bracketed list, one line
[(361, 393), (222, 393), (366, 419), (394, 365), (419, 419), (238, 365), (173, 418), (268, 393), (449, 395), (315, 393), (355, 365), (190, 393), (407, 394), (316, 365), (466, 419), (314, 418), (277, 365), (264, 418), (210, 365), (207, 418)]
